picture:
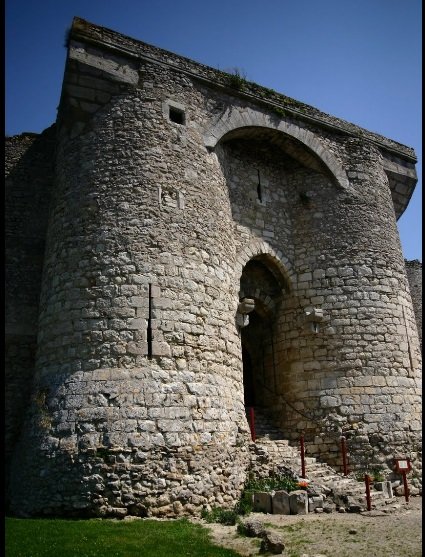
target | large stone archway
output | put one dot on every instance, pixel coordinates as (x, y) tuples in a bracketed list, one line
[(244, 118)]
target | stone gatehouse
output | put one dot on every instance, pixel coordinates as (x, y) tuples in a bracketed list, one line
[(182, 244)]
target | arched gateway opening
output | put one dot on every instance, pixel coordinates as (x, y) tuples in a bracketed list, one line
[(262, 287)]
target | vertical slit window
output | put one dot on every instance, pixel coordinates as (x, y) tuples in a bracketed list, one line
[(259, 193)]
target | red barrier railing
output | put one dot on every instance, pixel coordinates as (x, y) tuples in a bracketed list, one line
[(367, 484), (344, 455), (302, 456), (406, 488)]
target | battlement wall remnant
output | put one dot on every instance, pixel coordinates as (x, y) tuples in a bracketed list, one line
[(210, 245)]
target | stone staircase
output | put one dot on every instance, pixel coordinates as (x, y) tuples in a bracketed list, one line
[(271, 454)]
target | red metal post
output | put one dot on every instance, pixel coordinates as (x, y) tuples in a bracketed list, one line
[(252, 423), (344, 455), (302, 456), (367, 484), (406, 489)]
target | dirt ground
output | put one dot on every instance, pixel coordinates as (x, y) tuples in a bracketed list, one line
[(397, 532)]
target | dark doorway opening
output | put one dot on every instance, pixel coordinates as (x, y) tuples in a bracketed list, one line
[(262, 283), (248, 378), (255, 339)]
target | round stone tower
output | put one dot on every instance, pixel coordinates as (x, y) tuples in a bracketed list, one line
[(211, 245)]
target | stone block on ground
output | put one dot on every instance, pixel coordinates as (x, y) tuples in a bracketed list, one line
[(385, 487), (298, 502), (314, 503), (280, 503), (262, 502)]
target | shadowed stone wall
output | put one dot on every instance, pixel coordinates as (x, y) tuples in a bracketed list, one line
[(29, 178)]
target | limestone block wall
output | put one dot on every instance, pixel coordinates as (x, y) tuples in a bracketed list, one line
[(123, 256), (414, 276), (345, 378), (365, 349), (174, 194)]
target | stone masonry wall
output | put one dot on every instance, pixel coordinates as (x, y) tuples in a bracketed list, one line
[(138, 399), (119, 233), (414, 275), (345, 378), (28, 166)]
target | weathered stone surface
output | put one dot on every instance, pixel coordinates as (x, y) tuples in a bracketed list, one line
[(280, 503), (272, 543), (252, 528), (298, 502), (29, 181), (176, 196), (385, 487), (414, 275), (315, 503), (262, 502)]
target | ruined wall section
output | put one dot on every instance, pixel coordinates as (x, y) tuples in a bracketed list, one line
[(414, 275), (28, 183)]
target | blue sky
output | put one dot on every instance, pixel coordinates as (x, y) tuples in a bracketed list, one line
[(358, 60)]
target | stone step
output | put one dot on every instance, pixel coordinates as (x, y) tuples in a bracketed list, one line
[(318, 466), (345, 491), (272, 442), (264, 427), (325, 478), (309, 461)]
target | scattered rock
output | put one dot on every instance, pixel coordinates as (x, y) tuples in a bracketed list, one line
[(400, 490), (272, 543), (252, 528)]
